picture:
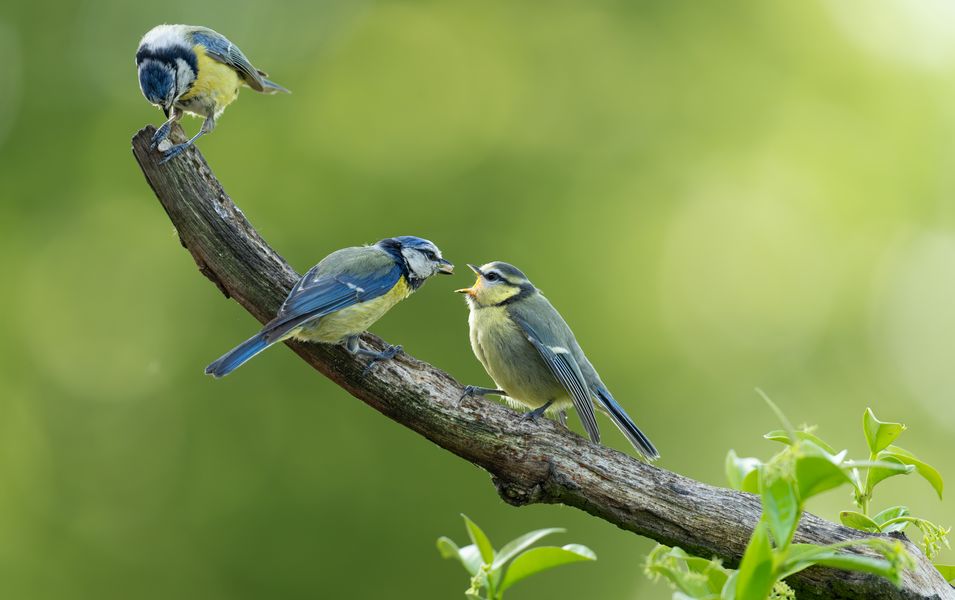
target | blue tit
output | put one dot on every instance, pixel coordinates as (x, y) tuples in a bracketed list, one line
[(533, 357), (185, 68), (342, 296)]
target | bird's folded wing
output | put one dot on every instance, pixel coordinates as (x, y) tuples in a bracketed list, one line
[(317, 294), (224, 51), (562, 364)]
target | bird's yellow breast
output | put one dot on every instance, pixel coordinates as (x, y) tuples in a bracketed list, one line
[(355, 319), (215, 81)]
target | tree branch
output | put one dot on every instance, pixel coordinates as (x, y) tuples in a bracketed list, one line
[(537, 462)]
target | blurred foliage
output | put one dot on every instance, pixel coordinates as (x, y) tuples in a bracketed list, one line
[(716, 196)]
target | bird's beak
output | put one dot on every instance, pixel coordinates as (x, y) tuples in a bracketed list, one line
[(472, 291), (445, 267)]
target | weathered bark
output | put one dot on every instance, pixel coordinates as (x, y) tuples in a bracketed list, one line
[(528, 461)]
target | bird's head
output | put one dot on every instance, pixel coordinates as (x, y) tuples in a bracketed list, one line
[(167, 66), (497, 283), (421, 258)]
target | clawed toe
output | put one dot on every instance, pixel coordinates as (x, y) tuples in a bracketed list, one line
[(172, 153), (387, 354)]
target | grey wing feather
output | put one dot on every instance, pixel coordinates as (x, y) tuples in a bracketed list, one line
[(563, 366), (220, 48)]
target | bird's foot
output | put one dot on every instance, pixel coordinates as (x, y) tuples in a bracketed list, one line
[(470, 391), (376, 357), (535, 414), (161, 134), (173, 152)]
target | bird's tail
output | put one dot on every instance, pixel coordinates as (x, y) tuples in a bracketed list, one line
[(235, 358), (270, 87), (623, 422)]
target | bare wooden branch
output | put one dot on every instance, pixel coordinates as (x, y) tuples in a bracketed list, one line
[(529, 462)]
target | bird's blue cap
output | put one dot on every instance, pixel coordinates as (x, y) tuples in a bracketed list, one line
[(411, 241)]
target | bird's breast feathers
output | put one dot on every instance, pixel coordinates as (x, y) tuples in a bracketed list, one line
[(511, 361), (335, 327), (216, 84)]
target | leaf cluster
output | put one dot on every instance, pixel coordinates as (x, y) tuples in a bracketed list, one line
[(805, 467), (494, 571)]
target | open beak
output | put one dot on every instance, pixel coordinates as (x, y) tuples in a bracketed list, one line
[(445, 267), (471, 291)]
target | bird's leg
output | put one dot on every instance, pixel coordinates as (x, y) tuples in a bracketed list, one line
[(208, 125), (473, 390), (537, 412), (562, 417), (164, 129), (355, 349)]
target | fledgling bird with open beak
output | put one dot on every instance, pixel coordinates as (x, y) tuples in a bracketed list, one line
[(186, 68), (342, 296), (533, 357)]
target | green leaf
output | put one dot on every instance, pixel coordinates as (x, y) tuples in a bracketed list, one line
[(540, 559), (803, 556), (857, 520), (729, 590), (780, 507), (742, 473), (889, 514), (887, 466), (925, 470), (858, 562), (879, 434), (818, 471), (693, 576), (779, 435), (480, 540), (469, 556), (755, 579), (947, 571), (516, 546)]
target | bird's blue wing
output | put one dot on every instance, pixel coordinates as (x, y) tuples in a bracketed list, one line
[(562, 364), (322, 291), (221, 49)]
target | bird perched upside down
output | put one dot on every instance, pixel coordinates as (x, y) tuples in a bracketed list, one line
[(532, 355), (185, 68), (342, 296)]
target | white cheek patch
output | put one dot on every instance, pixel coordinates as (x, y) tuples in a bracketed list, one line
[(417, 263)]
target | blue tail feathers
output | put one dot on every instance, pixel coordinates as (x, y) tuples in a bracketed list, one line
[(235, 358), (626, 425), (271, 87)]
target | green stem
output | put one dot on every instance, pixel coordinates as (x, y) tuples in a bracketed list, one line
[(866, 492)]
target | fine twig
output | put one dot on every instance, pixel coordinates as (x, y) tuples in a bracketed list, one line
[(539, 462)]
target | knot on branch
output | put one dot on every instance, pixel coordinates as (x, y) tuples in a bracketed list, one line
[(518, 493)]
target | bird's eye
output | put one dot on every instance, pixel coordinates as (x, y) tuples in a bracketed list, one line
[(492, 276), (430, 255)]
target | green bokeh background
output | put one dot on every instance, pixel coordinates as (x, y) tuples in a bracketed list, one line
[(717, 196)]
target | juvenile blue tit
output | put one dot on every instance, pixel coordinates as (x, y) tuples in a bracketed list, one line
[(185, 68), (342, 296), (532, 356)]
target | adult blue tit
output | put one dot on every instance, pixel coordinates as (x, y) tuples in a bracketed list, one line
[(533, 357), (185, 68), (342, 296)]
